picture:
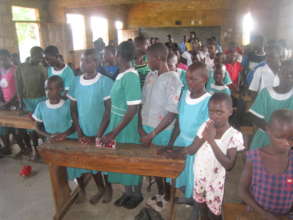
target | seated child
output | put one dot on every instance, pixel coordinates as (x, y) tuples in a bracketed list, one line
[(161, 92), (216, 147), (193, 112), (270, 100), (57, 67), (90, 95), (140, 61), (266, 181), (53, 117), (110, 68), (8, 93), (218, 85), (125, 100)]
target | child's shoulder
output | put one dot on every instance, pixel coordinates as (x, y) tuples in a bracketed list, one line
[(128, 74)]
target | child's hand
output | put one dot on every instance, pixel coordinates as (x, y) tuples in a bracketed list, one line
[(108, 138), (147, 139), (58, 137), (85, 140), (209, 133), (142, 133), (170, 152)]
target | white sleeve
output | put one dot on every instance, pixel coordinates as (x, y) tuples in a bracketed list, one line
[(256, 80)]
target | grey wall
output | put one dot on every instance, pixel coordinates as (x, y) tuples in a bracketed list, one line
[(177, 33)]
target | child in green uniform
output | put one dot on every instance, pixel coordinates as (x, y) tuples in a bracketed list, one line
[(57, 67), (270, 100), (140, 62), (218, 85), (125, 100), (30, 84)]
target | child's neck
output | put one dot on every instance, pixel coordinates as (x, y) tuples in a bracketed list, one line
[(55, 100), (283, 89), (219, 83), (163, 68), (109, 63), (60, 66), (124, 67), (194, 94), (221, 130), (91, 75)]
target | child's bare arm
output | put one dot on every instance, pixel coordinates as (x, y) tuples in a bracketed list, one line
[(106, 118), (175, 133), (244, 192), (40, 131), (140, 127), (197, 143), (166, 121), (74, 115)]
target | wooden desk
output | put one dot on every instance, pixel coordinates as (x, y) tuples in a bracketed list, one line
[(16, 119), (128, 158)]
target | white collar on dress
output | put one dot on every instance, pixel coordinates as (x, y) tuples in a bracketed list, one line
[(192, 101), (55, 106), (217, 87), (280, 96), (131, 69), (58, 72), (88, 82)]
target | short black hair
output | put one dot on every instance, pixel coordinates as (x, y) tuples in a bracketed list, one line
[(4, 52), (126, 50), (283, 116), (160, 50), (52, 51), (58, 80), (221, 97), (37, 50), (140, 40)]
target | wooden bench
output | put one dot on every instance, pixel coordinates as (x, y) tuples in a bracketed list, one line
[(128, 158), (16, 119), (237, 211)]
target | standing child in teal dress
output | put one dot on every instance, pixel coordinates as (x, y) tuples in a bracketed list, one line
[(90, 95), (52, 116), (57, 67), (193, 112), (161, 92), (218, 85), (269, 100), (126, 100)]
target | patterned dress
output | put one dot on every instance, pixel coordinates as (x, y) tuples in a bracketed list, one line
[(272, 192), (210, 175)]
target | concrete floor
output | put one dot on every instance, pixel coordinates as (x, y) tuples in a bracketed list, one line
[(31, 198)]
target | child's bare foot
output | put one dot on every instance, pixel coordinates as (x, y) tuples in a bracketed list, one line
[(81, 198), (96, 198), (108, 194)]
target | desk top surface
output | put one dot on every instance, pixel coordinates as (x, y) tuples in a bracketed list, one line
[(127, 158), (16, 119)]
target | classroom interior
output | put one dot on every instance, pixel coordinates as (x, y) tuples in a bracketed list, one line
[(73, 26)]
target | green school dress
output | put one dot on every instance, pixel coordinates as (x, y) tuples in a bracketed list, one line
[(125, 91), (267, 102)]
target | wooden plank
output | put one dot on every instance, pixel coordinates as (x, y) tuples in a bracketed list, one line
[(16, 119), (128, 158)]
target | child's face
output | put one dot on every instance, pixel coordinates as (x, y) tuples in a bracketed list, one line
[(281, 135), (172, 63), (195, 79), (5, 62), (52, 60), (109, 56), (219, 76), (153, 61), (219, 112), (88, 64), (37, 57), (141, 48), (53, 91), (212, 49)]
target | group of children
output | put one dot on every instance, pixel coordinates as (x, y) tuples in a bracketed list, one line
[(148, 95)]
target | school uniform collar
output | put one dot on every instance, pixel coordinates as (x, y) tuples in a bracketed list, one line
[(192, 101), (55, 106), (58, 72), (131, 69), (218, 87), (280, 96), (88, 82)]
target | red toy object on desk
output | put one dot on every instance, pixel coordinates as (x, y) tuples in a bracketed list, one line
[(25, 171), (111, 145)]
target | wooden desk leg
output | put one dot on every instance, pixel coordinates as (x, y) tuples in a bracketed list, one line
[(172, 200), (60, 188)]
